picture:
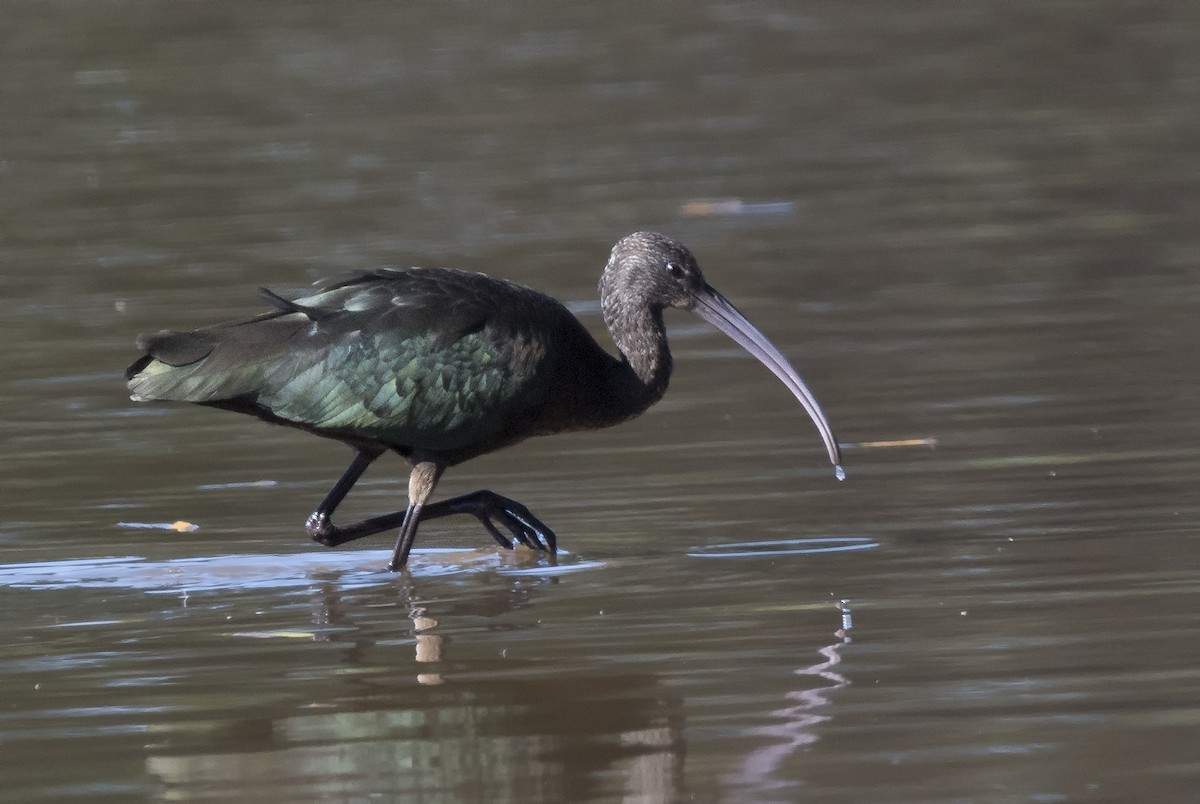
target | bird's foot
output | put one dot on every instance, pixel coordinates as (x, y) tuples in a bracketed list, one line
[(490, 508)]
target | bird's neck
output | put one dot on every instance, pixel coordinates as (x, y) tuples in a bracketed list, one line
[(641, 337)]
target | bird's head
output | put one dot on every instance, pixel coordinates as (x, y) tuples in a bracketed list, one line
[(650, 271)]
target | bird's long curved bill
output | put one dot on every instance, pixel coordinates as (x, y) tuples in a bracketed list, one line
[(717, 310)]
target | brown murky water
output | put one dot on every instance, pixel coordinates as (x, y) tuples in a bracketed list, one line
[(968, 222)]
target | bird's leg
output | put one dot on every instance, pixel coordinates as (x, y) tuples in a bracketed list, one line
[(487, 506), (421, 482), (320, 524)]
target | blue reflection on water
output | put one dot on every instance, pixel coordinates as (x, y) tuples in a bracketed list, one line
[(785, 547), (358, 568)]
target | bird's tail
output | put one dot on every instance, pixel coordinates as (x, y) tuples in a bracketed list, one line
[(172, 368), (204, 365)]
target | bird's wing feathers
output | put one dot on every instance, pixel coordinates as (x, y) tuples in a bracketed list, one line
[(427, 358), (417, 302)]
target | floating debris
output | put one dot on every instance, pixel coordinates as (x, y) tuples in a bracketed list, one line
[(930, 442), (179, 526), (734, 206)]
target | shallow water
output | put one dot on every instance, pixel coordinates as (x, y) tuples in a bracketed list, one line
[(967, 224)]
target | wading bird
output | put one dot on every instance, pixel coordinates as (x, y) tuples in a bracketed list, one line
[(441, 366)]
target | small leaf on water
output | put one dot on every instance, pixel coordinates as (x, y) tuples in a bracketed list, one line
[(179, 526)]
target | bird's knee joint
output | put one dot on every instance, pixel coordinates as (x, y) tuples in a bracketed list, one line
[(319, 529)]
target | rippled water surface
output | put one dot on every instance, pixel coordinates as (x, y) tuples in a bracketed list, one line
[(972, 227)]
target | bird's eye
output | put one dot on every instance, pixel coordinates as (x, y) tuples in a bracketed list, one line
[(675, 269)]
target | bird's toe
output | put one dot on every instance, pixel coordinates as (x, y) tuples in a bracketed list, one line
[(538, 535), (496, 534)]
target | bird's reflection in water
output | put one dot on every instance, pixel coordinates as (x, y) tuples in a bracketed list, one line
[(796, 726), (429, 645), (429, 725)]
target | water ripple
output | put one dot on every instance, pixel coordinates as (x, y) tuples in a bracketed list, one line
[(784, 547)]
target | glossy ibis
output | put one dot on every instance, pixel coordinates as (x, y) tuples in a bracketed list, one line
[(441, 366)]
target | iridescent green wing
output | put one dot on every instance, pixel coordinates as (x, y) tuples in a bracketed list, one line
[(425, 358)]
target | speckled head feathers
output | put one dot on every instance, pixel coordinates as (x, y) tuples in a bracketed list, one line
[(648, 269)]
